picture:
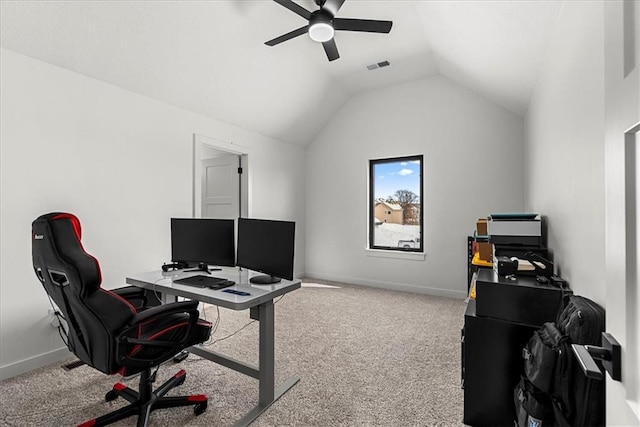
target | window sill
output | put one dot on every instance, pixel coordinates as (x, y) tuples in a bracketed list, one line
[(381, 253)]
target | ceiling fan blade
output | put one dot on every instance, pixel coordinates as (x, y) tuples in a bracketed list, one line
[(331, 49), (283, 38), (295, 8), (366, 25), (333, 6)]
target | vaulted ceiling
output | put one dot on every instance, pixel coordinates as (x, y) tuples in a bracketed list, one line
[(209, 57)]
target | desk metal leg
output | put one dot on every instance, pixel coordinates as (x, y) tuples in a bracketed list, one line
[(267, 394), (266, 353)]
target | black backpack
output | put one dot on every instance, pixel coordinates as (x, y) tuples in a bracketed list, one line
[(553, 381)]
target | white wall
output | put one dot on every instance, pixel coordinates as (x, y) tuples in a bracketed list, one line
[(564, 149), (473, 167), (120, 161)]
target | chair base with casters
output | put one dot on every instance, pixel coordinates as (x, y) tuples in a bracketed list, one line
[(145, 400)]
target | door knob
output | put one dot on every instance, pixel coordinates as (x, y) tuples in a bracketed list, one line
[(609, 354)]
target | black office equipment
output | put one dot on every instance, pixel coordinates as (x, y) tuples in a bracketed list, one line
[(558, 281), (506, 266), (515, 228), (498, 324), (200, 281), (174, 266), (205, 241), (268, 247), (522, 300), (114, 331)]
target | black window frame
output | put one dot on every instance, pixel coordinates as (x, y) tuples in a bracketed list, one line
[(372, 202)]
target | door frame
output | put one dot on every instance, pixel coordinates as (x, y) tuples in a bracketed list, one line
[(201, 142), (631, 358)]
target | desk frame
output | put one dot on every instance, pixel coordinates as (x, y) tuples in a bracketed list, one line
[(265, 373)]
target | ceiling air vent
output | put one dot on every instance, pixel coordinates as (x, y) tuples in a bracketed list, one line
[(378, 65)]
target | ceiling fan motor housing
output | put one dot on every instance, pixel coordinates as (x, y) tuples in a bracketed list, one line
[(321, 25)]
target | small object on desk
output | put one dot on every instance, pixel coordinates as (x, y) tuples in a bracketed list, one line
[(201, 281), (542, 280), (174, 266), (558, 281), (479, 262), (506, 266), (236, 292)]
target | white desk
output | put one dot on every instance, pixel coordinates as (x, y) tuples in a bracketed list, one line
[(260, 303)]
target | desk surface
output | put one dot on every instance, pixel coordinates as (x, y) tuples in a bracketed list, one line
[(164, 282)]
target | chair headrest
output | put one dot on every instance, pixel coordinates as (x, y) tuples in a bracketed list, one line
[(57, 247)]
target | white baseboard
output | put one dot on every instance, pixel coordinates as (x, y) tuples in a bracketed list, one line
[(390, 285), (35, 362)]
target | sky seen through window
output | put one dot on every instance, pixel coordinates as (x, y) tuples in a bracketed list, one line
[(393, 176)]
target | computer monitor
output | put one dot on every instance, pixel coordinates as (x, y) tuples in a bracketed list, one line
[(266, 246), (205, 241)]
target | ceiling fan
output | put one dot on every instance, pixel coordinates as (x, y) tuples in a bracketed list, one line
[(323, 23)]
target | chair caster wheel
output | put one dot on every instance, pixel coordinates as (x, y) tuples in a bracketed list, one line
[(111, 395), (200, 408)]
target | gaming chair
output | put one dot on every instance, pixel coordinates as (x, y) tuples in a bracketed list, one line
[(114, 331)]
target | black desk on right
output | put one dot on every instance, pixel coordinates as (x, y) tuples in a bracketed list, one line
[(497, 325)]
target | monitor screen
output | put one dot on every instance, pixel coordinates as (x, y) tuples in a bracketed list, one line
[(268, 247), (205, 241)]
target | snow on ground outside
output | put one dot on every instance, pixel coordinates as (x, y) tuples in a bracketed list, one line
[(388, 234)]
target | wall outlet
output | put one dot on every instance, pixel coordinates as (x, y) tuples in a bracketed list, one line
[(53, 319)]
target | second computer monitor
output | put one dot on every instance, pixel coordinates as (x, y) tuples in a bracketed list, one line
[(204, 241), (268, 247)]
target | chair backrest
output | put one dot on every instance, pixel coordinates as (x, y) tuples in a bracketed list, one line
[(72, 279)]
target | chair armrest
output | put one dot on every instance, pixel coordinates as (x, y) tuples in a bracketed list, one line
[(186, 307), (164, 310)]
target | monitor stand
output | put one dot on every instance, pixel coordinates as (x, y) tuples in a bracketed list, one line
[(264, 280), (204, 267)]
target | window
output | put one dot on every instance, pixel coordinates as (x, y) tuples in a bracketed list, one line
[(395, 204)]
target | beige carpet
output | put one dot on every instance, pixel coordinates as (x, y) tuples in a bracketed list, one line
[(366, 357)]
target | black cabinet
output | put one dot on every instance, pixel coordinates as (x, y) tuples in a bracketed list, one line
[(521, 300), (492, 364), (492, 342)]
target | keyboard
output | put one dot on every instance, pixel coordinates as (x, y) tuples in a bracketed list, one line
[(201, 281)]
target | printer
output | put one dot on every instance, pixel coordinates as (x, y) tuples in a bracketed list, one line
[(515, 229)]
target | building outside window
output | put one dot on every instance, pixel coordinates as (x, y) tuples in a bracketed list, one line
[(395, 204)]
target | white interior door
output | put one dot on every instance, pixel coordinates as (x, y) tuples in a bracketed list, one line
[(221, 187), (622, 204)]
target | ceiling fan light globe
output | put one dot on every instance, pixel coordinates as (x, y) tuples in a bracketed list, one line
[(321, 32)]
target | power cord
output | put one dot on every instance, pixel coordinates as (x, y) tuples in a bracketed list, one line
[(243, 327), (59, 326)]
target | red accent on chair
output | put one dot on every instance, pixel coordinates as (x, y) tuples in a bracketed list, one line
[(197, 398), (77, 229), (75, 223)]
